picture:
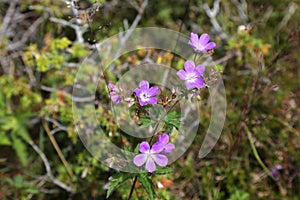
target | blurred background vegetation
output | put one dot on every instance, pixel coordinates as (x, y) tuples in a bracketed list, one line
[(42, 44)]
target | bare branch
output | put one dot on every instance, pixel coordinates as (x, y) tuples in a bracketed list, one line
[(60, 127), (242, 9), (26, 35), (49, 174), (212, 14), (3, 31), (223, 59), (8, 17), (124, 38), (75, 99), (289, 13), (79, 29)]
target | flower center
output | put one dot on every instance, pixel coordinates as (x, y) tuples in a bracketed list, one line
[(148, 154), (144, 97), (191, 77), (199, 46)]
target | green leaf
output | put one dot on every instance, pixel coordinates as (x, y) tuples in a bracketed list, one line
[(43, 63), (163, 170), (78, 50), (173, 118), (219, 68), (147, 184), (4, 139), (116, 180), (145, 122), (60, 43), (21, 131), (173, 115), (32, 190), (20, 149), (9, 123)]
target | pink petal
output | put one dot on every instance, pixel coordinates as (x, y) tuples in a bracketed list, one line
[(144, 147), (168, 148), (118, 101), (150, 165), (210, 46), (193, 45), (182, 74), (157, 147), (139, 159), (111, 86), (138, 92), (143, 103), (153, 91), (164, 139), (189, 85), (144, 85), (200, 69), (115, 97), (189, 66), (204, 38), (194, 38), (161, 160), (197, 83), (152, 100)]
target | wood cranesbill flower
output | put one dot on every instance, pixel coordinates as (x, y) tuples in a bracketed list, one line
[(201, 44), (164, 140), (145, 94), (150, 156), (114, 93), (192, 75)]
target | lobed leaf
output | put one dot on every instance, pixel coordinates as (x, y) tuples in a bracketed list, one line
[(116, 180), (147, 184)]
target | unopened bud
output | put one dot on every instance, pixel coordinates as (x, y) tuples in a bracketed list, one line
[(198, 97)]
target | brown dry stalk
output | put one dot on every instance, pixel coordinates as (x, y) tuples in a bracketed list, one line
[(56, 147)]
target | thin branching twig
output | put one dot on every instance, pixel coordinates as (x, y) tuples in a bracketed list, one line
[(212, 14), (49, 175)]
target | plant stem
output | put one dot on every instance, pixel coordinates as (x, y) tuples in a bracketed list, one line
[(132, 187), (152, 137), (256, 155)]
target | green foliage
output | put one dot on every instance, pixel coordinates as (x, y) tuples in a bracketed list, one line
[(219, 68), (50, 56), (25, 187), (78, 51), (18, 135), (116, 180), (147, 184), (145, 122), (163, 171), (239, 195), (15, 121), (173, 119)]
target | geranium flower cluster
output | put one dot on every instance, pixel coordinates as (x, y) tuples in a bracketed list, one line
[(192, 75), (145, 94), (114, 93), (155, 154), (150, 156)]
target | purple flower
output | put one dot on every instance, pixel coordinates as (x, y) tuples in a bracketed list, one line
[(146, 94), (192, 75), (201, 44), (114, 93), (150, 156), (164, 140)]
